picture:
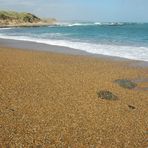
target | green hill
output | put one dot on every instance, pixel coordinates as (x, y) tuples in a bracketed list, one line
[(13, 18)]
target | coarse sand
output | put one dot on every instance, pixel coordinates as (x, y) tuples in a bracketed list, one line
[(50, 100)]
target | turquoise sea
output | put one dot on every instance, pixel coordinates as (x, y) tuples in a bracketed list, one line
[(127, 40)]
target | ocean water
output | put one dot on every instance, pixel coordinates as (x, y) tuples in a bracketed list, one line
[(126, 40)]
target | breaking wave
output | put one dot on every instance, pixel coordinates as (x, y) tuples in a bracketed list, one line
[(129, 52), (92, 24)]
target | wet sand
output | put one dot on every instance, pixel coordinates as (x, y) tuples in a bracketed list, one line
[(50, 100)]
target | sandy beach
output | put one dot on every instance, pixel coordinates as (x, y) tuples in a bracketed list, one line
[(50, 100)]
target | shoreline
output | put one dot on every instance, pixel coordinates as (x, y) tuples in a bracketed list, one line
[(28, 25), (29, 45)]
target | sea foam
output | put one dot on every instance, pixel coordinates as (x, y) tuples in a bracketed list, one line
[(5, 28), (129, 52)]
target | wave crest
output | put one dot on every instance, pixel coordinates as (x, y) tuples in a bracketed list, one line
[(91, 24), (5, 28)]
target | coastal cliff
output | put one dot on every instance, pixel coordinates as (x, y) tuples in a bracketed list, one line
[(12, 18)]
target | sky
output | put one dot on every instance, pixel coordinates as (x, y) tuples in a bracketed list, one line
[(84, 10)]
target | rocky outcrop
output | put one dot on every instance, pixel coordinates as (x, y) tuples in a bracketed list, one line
[(11, 18)]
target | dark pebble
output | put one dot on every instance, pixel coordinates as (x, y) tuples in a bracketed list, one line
[(12, 109), (104, 94), (131, 107), (126, 83)]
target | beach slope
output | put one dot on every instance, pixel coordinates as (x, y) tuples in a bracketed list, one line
[(51, 100)]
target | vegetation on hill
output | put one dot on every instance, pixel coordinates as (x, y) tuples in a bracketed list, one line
[(16, 18)]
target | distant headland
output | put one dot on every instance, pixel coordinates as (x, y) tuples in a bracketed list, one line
[(23, 19)]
